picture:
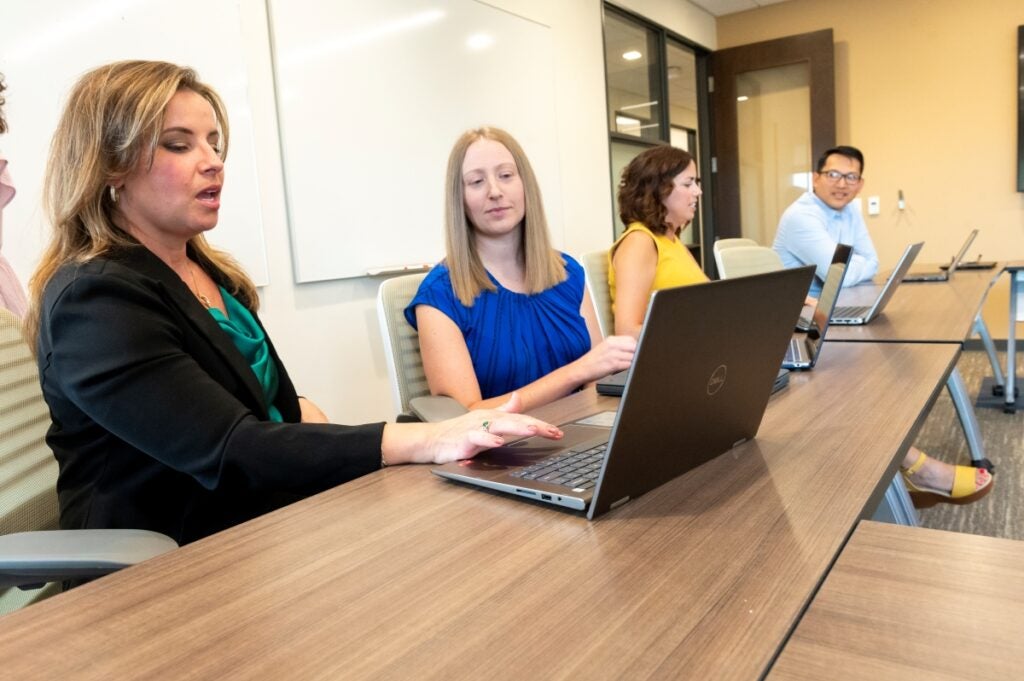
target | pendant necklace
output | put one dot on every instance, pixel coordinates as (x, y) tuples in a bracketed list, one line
[(203, 299)]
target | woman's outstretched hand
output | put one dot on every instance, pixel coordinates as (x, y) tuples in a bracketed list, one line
[(462, 437)]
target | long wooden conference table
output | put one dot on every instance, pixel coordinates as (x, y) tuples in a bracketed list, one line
[(402, 575)]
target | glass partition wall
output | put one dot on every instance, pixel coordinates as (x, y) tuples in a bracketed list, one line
[(655, 84)]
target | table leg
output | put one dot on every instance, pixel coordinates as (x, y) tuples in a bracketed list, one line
[(1010, 398), (968, 421), (896, 506), (981, 329)]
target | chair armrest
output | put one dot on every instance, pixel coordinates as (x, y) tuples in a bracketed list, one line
[(28, 559), (431, 408)]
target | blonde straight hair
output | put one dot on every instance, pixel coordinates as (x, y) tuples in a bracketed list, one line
[(544, 266), (111, 123)]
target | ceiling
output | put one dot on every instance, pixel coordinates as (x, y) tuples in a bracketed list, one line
[(721, 7)]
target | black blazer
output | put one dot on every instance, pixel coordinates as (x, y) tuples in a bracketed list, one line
[(158, 421)]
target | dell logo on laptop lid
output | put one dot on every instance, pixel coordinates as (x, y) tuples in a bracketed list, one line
[(717, 379)]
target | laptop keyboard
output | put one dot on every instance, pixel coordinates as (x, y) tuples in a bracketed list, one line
[(577, 470), (848, 311)]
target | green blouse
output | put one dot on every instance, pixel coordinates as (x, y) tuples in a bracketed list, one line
[(250, 340)]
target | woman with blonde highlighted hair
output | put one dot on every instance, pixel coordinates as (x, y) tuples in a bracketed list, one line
[(171, 408), (505, 312)]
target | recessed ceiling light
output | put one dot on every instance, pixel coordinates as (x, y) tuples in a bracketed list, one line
[(742, 98), (632, 55)]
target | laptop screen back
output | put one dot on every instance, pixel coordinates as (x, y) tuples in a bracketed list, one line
[(963, 251), (902, 267), (704, 369), (828, 297)]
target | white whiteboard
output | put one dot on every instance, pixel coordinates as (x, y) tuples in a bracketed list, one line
[(371, 97), (46, 46)]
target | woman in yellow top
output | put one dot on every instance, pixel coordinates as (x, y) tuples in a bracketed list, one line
[(657, 200)]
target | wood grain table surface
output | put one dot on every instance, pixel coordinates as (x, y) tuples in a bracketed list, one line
[(402, 575), (913, 603)]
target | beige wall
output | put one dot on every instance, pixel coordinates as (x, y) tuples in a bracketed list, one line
[(927, 89)]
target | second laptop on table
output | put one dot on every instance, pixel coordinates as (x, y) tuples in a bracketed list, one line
[(862, 314), (805, 348)]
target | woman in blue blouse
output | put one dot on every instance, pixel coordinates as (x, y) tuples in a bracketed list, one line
[(505, 312)]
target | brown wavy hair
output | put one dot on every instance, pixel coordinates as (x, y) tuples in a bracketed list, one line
[(112, 121), (544, 266), (647, 182)]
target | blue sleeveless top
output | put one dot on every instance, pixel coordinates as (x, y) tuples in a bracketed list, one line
[(250, 340), (513, 338)]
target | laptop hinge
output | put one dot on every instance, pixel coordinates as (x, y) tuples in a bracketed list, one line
[(618, 503)]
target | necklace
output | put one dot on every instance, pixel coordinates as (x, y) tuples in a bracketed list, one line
[(195, 286)]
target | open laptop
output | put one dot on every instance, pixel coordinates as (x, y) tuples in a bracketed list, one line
[(805, 348), (842, 254), (943, 273), (976, 264), (862, 314), (698, 386)]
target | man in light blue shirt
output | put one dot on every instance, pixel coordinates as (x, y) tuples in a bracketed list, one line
[(812, 226)]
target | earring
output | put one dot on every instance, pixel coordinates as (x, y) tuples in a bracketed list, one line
[(113, 193)]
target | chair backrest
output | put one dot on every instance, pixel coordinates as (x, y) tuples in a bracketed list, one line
[(595, 265), (742, 261), (723, 244), (401, 342), (28, 471)]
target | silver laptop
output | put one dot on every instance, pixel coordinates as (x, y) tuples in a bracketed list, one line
[(805, 348), (943, 272), (862, 314), (732, 334)]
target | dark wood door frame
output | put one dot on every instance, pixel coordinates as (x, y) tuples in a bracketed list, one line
[(816, 49)]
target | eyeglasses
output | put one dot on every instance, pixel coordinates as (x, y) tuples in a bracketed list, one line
[(834, 175)]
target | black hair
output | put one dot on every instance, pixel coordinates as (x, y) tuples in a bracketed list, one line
[(848, 152)]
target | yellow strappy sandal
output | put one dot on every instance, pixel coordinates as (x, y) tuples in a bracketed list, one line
[(964, 489)]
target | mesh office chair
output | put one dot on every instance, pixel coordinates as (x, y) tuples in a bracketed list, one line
[(743, 261), (409, 390), (32, 551), (723, 244), (595, 265)]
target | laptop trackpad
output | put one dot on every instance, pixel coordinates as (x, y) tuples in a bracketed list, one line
[(533, 449)]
